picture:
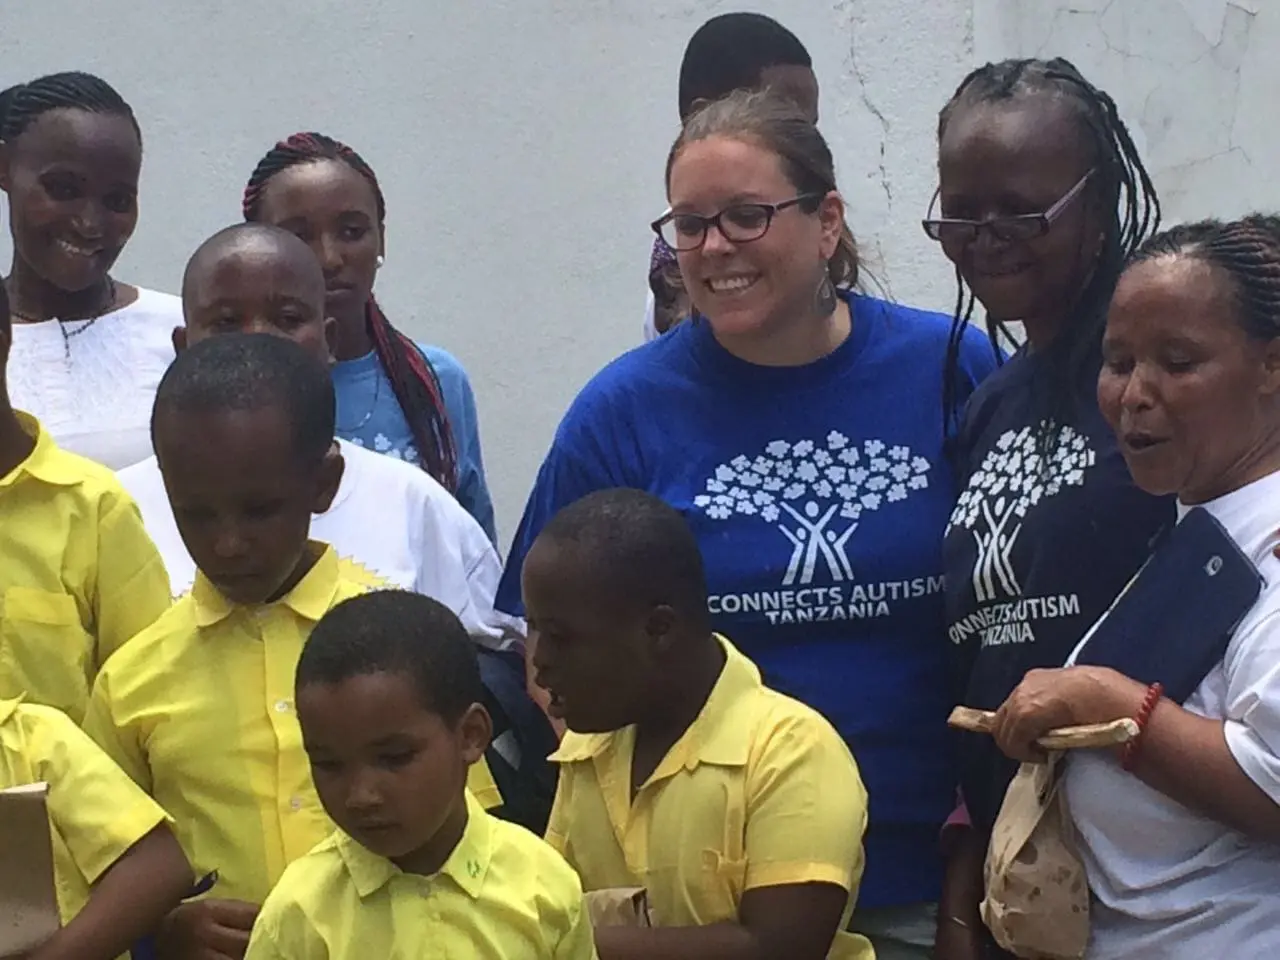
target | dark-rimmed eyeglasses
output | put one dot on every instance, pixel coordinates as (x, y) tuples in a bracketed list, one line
[(1026, 226), (740, 223)]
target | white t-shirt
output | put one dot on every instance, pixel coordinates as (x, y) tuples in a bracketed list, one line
[(1168, 883), (388, 516), (650, 322), (91, 384)]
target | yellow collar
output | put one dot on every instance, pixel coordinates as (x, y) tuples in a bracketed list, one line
[(718, 735), (310, 599), (466, 865), (8, 706), (46, 462)]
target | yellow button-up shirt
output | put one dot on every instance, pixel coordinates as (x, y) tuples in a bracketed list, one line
[(198, 709), (78, 575), (96, 813), (760, 791), (503, 894)]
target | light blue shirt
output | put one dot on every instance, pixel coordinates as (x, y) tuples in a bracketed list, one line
[(369, 415)]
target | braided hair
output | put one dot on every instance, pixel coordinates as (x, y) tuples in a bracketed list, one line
[(1247, 251), (1128, 201), (413, 379), (23, 104)]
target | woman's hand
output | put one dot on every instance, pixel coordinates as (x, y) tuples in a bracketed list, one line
[(1065, 697)]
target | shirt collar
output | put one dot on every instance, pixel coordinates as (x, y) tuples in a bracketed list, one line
[(8, 706), (44, 462), (716, 736), (466, 866), (310, 599)]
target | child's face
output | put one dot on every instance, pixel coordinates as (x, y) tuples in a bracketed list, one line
[(242, 497), (258, 290), (389, 771), (595, 662)]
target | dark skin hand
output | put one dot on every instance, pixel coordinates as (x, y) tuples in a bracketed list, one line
[(127, 903), (1183, 755), (207, 930), (961, 896), (796, 921)]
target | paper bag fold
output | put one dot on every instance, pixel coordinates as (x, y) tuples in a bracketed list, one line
[(28, 898), (619, 907)]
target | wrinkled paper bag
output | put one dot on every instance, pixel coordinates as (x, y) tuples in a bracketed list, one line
[(1037, 902), (28, 900), (619, 907)]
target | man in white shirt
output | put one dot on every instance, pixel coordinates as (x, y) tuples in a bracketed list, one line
[(388, 516)]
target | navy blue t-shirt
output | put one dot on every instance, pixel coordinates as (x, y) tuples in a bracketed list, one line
[(819, 495), (1047, 531)]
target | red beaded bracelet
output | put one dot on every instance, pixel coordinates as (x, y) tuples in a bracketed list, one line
[(1130, 753)]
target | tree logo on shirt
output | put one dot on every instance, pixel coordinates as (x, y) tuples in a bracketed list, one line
[(1013, 478), (815, 494)]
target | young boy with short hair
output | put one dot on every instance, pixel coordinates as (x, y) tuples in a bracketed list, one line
[(117, 867), (739, 810), (78, 574), (388, 694), (198, 708)]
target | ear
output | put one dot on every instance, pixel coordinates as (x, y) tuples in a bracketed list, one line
[(329, 479), (475, 731), (660, 627), (331, 338), (382, 239), (1271, 368), (831, 216), (179, 338)]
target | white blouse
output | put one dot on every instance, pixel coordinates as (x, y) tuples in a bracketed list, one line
[(92, 383), (1168, 883)]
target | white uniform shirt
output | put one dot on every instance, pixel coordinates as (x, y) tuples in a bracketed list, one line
[(1168, 883)]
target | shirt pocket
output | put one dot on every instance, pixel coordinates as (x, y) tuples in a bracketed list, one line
[(724, 877), (45, 651)]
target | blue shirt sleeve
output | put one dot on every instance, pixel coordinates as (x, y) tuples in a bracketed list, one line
[(460, 406), (581, 460)]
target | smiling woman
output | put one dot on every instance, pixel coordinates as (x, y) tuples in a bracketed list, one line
[(789, 421), (1178, 834), (88, 352), (1041, 198)]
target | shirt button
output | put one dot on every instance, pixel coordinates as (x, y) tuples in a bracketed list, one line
[(295, 804), (282, 706)]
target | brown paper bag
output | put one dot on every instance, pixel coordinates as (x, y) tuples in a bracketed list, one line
[(619, 907), (1037, 902), (28, 898)]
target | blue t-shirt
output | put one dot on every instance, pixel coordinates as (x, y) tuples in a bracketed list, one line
[(1047, 531), (370, 415), (818, 495)]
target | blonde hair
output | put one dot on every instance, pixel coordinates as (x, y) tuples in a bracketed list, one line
[(778, 125)]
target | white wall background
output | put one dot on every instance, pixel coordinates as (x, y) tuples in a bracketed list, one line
[(520, 143)]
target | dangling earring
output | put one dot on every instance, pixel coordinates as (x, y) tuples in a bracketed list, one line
[(380, 261), (826, 299)]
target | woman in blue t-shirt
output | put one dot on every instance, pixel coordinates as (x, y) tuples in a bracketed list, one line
[(1042, 199), (397, 397), (732, 51), (795, 425)]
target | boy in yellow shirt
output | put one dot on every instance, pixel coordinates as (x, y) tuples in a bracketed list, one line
[(78, 574), (117, 867), (388, 694), (739, 810), (198, 708)]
